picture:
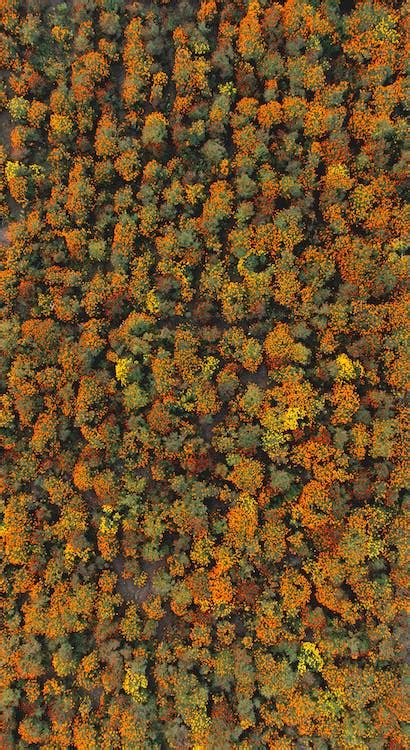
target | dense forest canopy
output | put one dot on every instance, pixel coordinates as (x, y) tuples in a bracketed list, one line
[(203, 368)]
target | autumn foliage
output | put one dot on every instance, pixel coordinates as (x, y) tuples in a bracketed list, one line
[(204, 364)]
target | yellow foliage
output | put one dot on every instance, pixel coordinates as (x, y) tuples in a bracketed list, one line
[(135, 683), (310, 658), (347, 369), (122, 370)]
